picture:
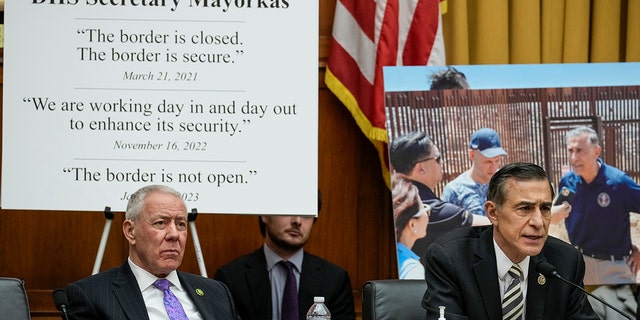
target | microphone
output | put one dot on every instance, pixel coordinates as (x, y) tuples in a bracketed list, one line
[(61, 301), (549, 270)]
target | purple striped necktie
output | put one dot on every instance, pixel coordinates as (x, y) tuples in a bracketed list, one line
[(171, 302), (290, 294)]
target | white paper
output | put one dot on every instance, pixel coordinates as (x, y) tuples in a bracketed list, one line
[(217, 99)]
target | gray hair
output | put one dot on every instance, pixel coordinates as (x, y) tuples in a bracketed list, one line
[(136, 201), (592, 135)]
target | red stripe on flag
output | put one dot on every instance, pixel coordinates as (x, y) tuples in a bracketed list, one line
[(387, 53), (364, 12), (343, 66), (364, 96), (422, 33)]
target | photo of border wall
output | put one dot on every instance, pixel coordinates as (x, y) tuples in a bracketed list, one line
[(532, 124)]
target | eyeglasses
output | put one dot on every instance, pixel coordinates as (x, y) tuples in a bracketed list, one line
[(425, 209), (437, 158)]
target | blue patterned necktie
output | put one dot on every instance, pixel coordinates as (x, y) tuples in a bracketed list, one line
[(290, 294), (513, 302), (171, 302)]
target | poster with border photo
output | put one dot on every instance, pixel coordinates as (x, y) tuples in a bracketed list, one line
[(531, 107)]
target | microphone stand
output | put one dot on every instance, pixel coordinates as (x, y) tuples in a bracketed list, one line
[(61, 301), (624, 314)]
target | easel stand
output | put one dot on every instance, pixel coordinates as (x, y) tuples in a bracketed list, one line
[(191, 217), (196, 241), (103, 241)]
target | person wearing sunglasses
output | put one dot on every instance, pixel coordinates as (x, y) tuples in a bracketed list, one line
[(469, 189), (410, 217), (415, 157)]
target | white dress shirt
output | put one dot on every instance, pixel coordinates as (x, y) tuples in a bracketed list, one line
[(504, 264), (154, 297), (278, 277)]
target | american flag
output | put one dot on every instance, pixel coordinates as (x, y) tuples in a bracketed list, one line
[(370, 34)]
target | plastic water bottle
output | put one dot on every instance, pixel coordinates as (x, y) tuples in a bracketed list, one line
[(318, 310), (442, 313)]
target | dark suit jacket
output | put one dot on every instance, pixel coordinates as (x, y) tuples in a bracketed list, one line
[(462, 275), (115, 294), (248, 279)]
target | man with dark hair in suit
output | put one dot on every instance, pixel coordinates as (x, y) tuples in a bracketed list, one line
[(148, 285), (489, 272), (258, 280)]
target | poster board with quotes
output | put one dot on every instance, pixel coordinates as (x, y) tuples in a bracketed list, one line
[(216, 99)]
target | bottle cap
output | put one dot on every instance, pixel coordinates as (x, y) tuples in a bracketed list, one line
[(441, 313), (318, 299)]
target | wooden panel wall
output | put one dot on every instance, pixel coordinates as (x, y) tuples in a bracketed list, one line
[(48, 249)]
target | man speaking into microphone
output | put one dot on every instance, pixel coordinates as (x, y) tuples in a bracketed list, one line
[(490, 272)]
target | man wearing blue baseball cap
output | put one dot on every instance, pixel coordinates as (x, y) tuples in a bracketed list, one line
[(469, 189)]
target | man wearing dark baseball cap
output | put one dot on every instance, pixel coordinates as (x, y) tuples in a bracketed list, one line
[(469, 189), (487, 141)]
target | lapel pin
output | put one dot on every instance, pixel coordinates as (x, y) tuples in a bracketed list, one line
[(201, 293), (541, 280)]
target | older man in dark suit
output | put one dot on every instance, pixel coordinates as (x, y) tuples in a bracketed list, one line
[(147, 285), (258, 280), (490, 272)]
